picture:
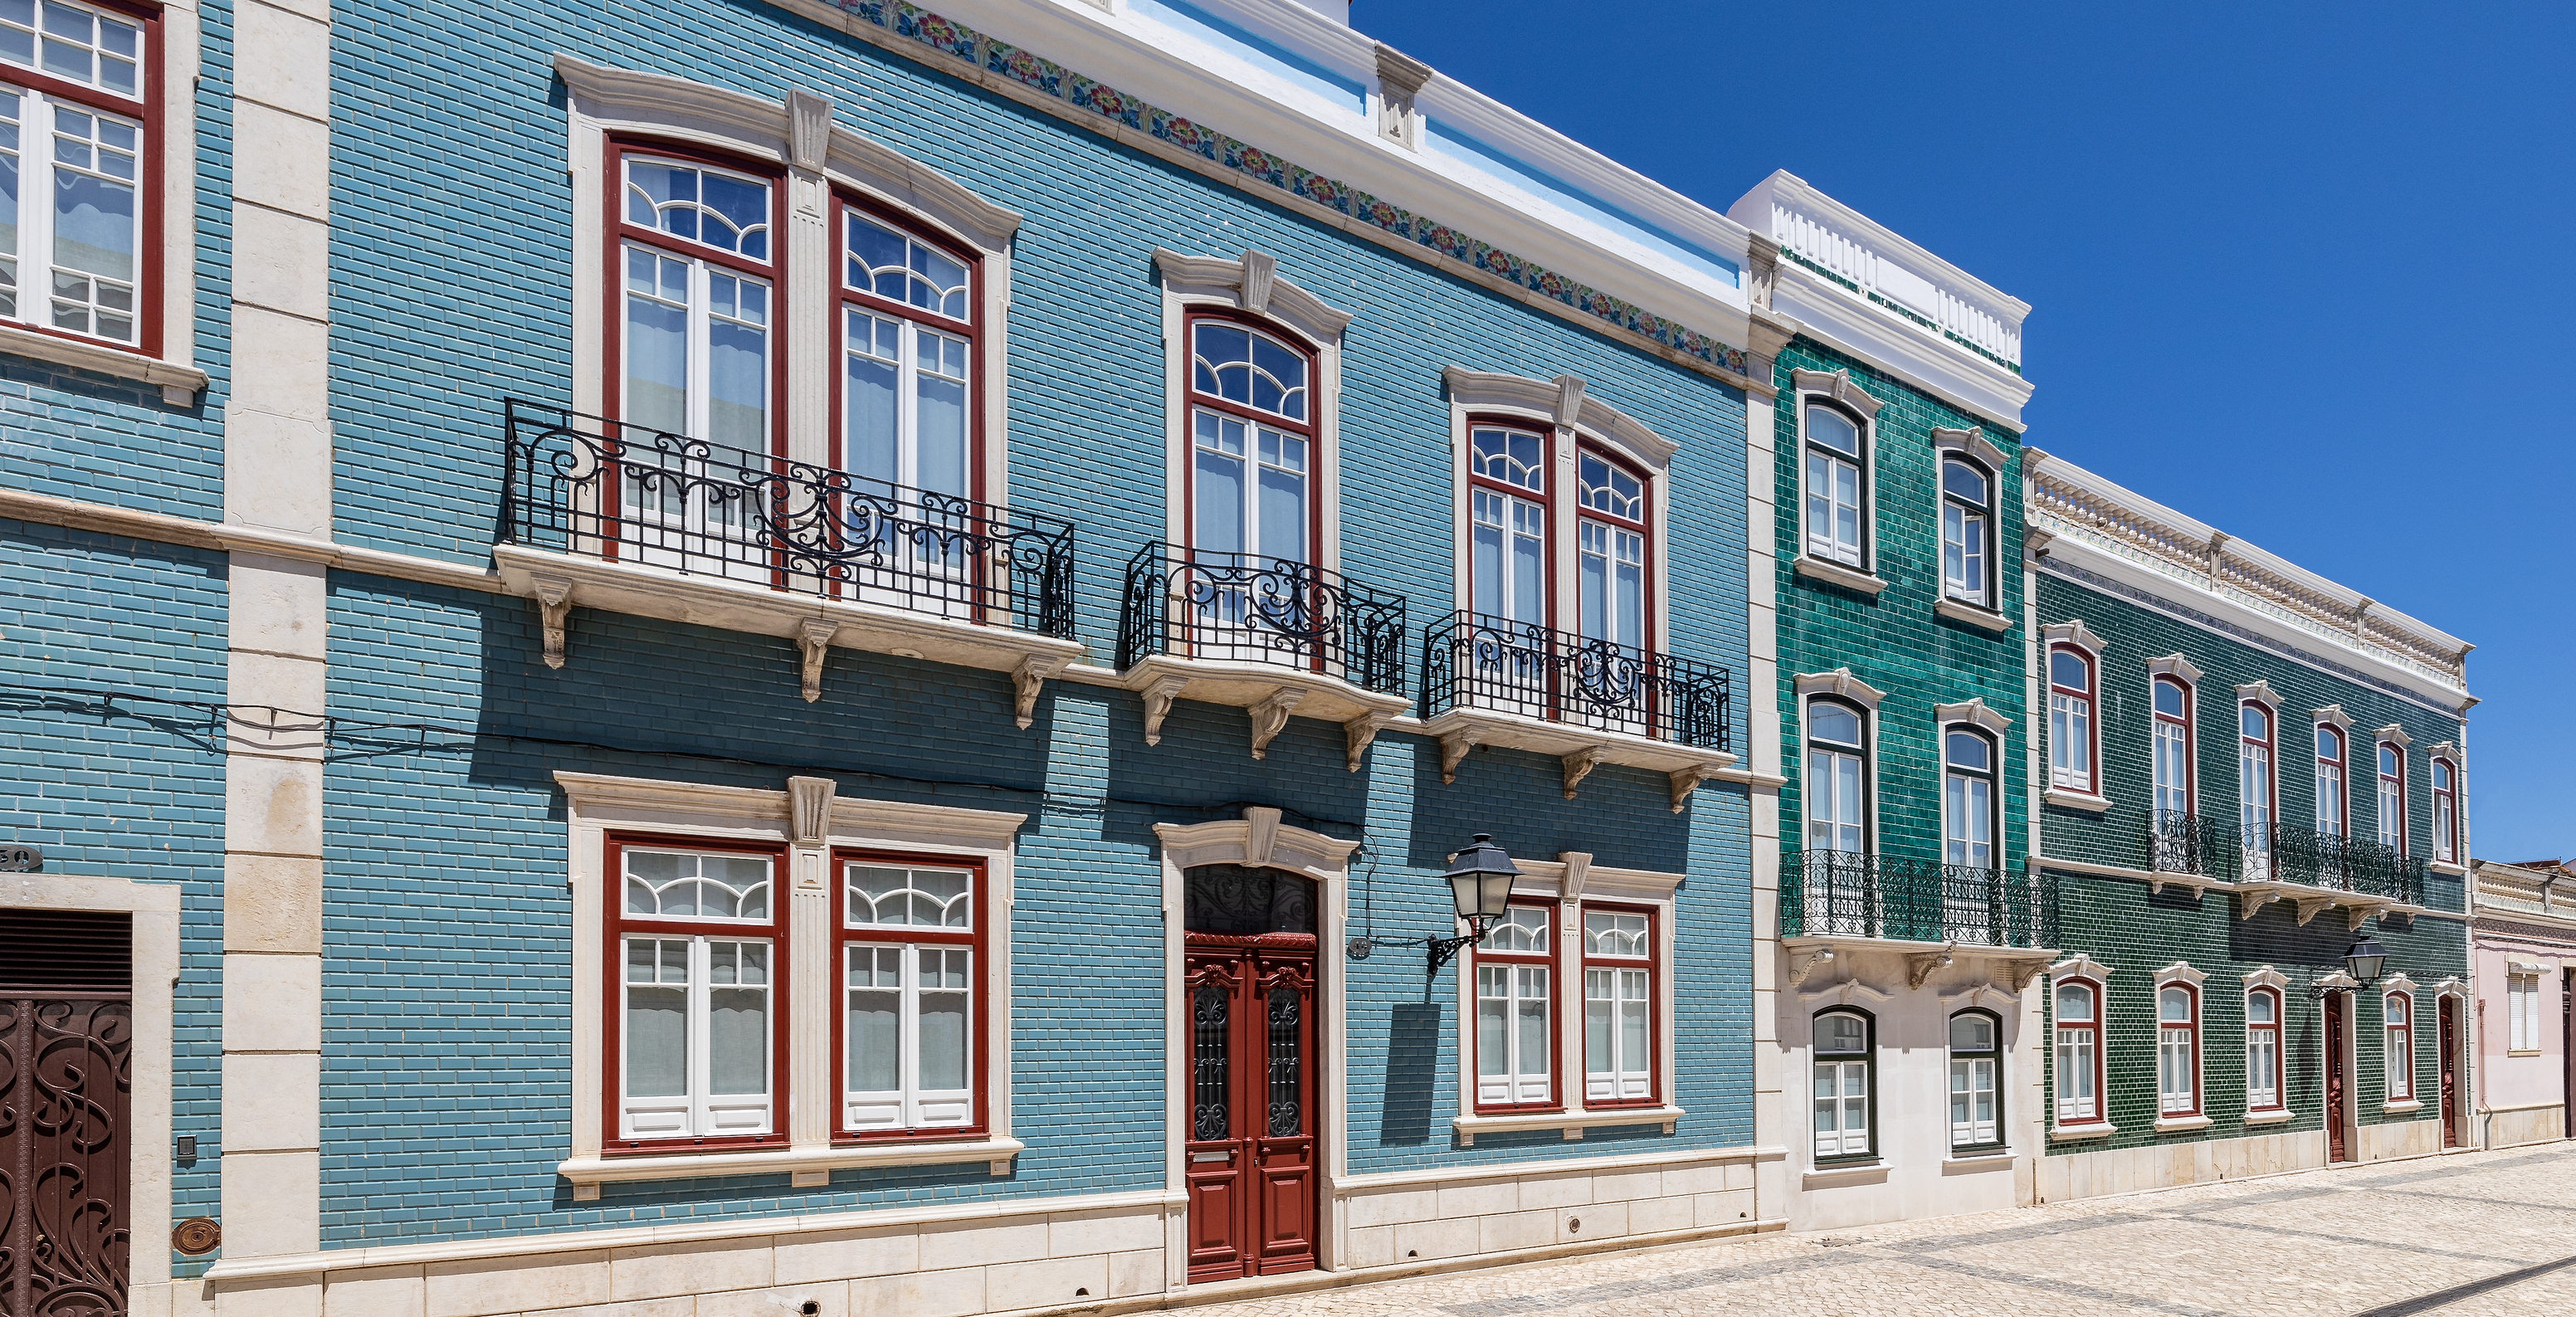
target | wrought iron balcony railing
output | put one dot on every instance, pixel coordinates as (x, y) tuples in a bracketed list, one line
[(2190, 844), (2364, 867), (1473, 661), (598, 488), (1861, 895), (1246, 608)]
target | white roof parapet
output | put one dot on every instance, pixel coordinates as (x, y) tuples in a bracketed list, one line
[(2075, 504)]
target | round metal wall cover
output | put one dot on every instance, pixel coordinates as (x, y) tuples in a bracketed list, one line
[(196, 1235)]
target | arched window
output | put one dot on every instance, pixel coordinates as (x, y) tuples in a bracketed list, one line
[(1252, 441), (1968, 798), (1837, 777), (1515, 1016), (2332, 781), (2255, 789), (2172, 749), (2263, 1050), (1507, 499), (1611, 573), (2070, 719), (2446, 813), (2392, 796), (2079, 1052), (909, 356), (1837, 492), (2397, 1017), (1844, 1084), (1976, 1081), (2177, 1050), (1967, 532)]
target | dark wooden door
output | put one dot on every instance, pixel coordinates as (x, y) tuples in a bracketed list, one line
[(2450, 1017), (1251, 1151), (66, 1082), (2338, 1138)]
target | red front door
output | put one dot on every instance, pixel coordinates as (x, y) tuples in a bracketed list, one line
[(2338, 1138), (1251, 1150), (2450, 1072)]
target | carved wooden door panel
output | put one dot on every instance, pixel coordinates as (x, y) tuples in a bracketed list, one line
[(65, 1079), (2450, 1017), (1285, 1146), (2336, 1135), (1220, 1225), (1250, 1155)]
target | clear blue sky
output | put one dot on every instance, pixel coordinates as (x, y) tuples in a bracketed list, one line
[(2305, 275)]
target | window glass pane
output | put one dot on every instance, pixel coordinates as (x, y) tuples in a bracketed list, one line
[(1247, 367), (873, 1033), (2258, 1008), (1831, 429), (2169, 699), (679, 885), (2173, 1006), (1522, 930), (1969, 750), (2257, 724), (1597, 1003), (1972, 1033), (738, 1018), (1493, 1005), (939, 426), (720, 210), (2068, 669), (928, 898), (2074, 1002), (1962, 481), (9, 190), (943, 1019), (869, 396), (1841, 1033), (1632, 1021), (1833, 722), (1219, 499), (1532, 1043), (1609, 933)]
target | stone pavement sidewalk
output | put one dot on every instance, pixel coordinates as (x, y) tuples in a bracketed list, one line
[(2466, 1235)]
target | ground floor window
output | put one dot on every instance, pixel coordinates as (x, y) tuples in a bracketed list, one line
[(1843, 1084), (1976, 1068)]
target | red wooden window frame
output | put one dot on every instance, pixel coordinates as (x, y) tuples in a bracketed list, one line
[(1548, 960), (2446, 822), (1544, 496), (2388, 1036), (978, 1054), (2341, 760), (846, 203), (35, 185), (618, 231), (2190, 751), (2092, 710), (1644, 526), (1311, 428), (2280, 1061), (613, 1013), (2400, 779), (2271, 743), (1654, 1002), (2057, 1024), (2199, 1086)]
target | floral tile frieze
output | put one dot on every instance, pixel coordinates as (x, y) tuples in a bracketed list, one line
[(956, 41)]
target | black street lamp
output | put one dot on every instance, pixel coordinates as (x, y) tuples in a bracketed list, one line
[(1480, 885), (2363, 960)]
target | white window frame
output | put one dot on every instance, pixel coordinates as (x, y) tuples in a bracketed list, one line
[(704, 1113), (1978, 547), (1999, 1087), (2446, 808), (1959, 782), (2272, 986), (916, 1108), (2190, 1048), (2066, 709), (811, 821), (1835, 389), (2257, 841)]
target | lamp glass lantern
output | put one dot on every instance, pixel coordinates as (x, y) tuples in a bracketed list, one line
[(2364, 959), (1480, 882)]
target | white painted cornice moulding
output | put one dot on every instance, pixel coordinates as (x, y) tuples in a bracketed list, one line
[(1257, 840), (2177, 667), (1975, 713), (2266, 977), (2079, 967), (1841, 683), (2072, 633), (2395, 735), (1567, 403), (2332, 713), (1974, 443), (1837, 385), (2180, 972), (1252, 280), (1841, 320), (2260, 692)]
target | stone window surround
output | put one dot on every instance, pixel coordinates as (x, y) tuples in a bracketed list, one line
[(2097, 976), (2267, 977), (1836, 387), (175, 370), (1570, 880), (818, 156), (2395, 985), (1251, 284), (1840, 683), (811, 823), (2449, 754), (155, 908), (2075, 635), (1973, 445), (2181, 972), (1572, 417)]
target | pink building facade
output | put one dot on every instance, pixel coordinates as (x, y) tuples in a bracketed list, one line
[(2522, 953)]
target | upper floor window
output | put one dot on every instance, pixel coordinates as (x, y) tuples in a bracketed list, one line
[(2177, 1050), (2333, 811), (1508, 514), (2079, 1052), (700, 952), (1836, 494), (1837, 780), (909, 355), (694, 347), (2255, 790), (2070, 719), (2522, 1012), (2263, 1050), (2446, 814), (2172, 748), (912, 1023), (1515, 1033), (1976, 1089), (1967, 532), (1252, 442), (1843, 1084), (1610, 580), (76, 192), (1968, 798), (1618, 1006), (2397, 1018), (2392, 796)]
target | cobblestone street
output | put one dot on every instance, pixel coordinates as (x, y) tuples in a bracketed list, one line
[(2471, 1235)]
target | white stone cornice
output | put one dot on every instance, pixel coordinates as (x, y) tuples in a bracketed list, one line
[(1975, 713), (2394, 735), (1565, 402), (2175, 666), (1974, 443), (2180, 972), (2258, 692), (2446, 752), (1251, 281), (2073, 633), (1260, 832), (2266, 977), (1841, 683), (2332, 713), (1838, 386), (2079, 966)]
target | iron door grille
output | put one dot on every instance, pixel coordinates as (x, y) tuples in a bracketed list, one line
[(66, 1082)]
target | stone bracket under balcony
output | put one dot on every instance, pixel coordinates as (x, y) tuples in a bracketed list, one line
[(2010, 968), (815, 623), (2253, 895), (1269, 692), (1577, 748)]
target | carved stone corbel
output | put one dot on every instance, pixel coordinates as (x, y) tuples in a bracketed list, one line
[(1259, 268), (1919, 966), (1453, 751), (809, 129), (1579, 766), (815, 638), (2312, 906), (1260, 834), (1270, 715), (2249, 902), (1687, 780), (1026, 681), (1802, 970), (554, 604), (1158, 705), (2354, 916), (1359, 732), (809, 802), (2020, 972)]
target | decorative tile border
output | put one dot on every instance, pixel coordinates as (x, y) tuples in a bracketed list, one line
[(959, 42)]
